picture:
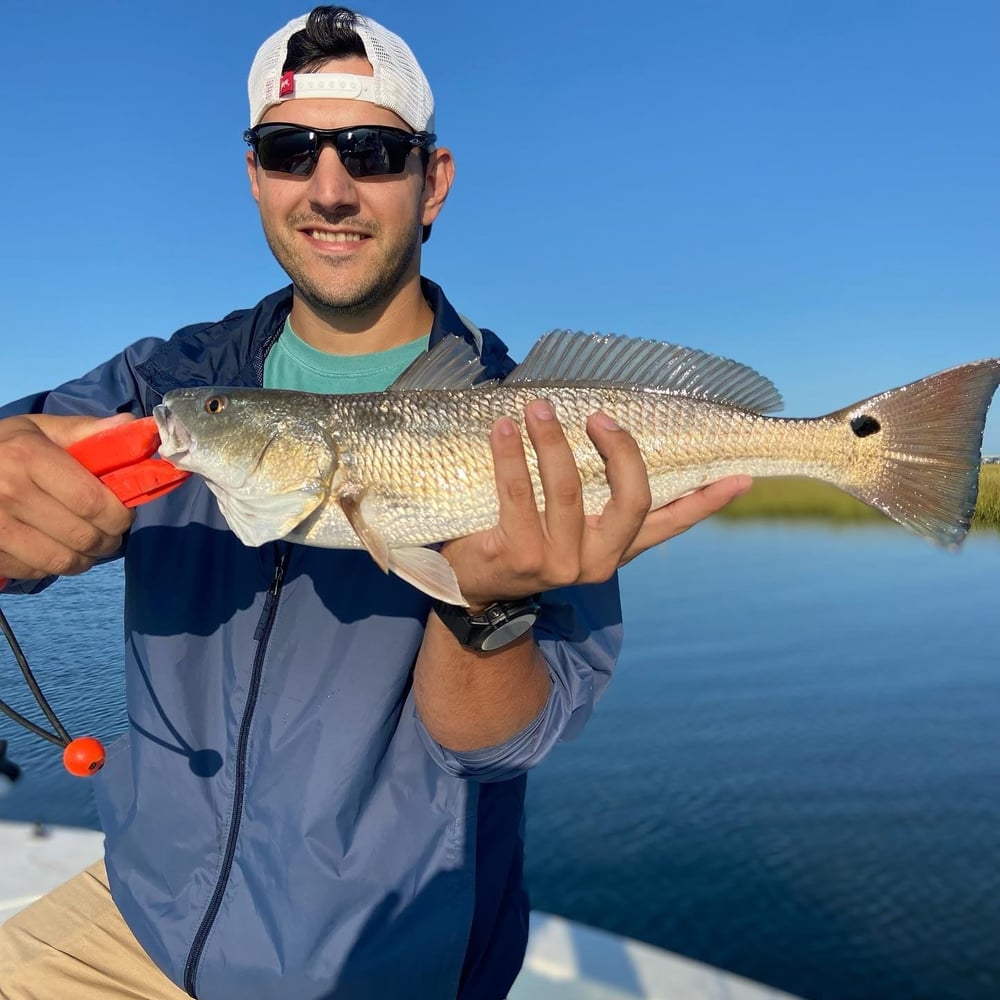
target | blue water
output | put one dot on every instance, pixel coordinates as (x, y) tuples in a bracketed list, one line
[(794, 774)]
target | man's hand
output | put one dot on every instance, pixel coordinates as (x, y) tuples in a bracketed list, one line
[(528, 551), (55, 517)]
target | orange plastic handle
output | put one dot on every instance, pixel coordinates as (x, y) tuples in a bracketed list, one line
[(121, 457), (117, 447)]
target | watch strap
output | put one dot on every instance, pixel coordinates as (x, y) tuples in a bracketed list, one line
[(496, 626)]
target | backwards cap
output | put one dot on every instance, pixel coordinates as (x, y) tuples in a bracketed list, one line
[(398, 82)]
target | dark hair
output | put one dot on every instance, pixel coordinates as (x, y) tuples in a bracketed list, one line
[(329, 34)]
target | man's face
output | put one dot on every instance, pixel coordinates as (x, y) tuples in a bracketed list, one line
[(348, 244)]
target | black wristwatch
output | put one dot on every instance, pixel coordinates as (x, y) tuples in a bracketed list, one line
[(494, 627)]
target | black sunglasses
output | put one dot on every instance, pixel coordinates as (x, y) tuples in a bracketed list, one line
[(365, 151)]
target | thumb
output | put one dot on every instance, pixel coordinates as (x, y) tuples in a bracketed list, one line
[(65, 431)]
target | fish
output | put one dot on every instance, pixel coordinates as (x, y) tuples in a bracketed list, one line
[(399, 472)]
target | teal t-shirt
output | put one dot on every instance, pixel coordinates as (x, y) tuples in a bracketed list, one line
[(293, 364)]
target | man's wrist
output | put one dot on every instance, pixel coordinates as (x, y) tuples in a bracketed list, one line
[(491, 626)]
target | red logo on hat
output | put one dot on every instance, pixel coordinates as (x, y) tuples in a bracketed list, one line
[(286, 86)]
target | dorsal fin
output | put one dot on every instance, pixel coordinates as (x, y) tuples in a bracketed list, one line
[(450, 364), (563, 356)]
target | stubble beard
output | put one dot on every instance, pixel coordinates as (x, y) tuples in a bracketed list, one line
[(339, 297)]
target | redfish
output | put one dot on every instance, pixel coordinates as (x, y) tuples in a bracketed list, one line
[(398, 471)]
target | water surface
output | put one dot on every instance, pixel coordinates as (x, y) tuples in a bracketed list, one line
[(793, 775)]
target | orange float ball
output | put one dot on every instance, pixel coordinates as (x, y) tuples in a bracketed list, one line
[(83, 756)]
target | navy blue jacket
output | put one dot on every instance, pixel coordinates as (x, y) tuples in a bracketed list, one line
[(279, 823)]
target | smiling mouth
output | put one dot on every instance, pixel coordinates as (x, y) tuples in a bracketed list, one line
[(326, 237)]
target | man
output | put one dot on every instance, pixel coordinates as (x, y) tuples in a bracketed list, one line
[(321, 792)]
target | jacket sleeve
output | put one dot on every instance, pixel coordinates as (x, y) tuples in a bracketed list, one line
[(579, 632), (112, 387)]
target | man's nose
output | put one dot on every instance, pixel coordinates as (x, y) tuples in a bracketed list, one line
[(331, 187)]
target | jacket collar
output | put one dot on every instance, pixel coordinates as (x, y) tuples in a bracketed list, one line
[(232, 351), (447, 320)]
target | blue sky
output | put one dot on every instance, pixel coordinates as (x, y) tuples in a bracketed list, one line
[(809, 186)]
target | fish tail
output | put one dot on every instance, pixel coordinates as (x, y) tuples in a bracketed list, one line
[(923, 468)]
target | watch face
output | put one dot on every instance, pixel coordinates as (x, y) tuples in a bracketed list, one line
[(503, 635)]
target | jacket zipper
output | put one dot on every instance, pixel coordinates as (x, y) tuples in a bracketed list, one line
[(261, 636)]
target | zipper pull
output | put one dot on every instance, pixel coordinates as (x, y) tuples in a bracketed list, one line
[(282, 551)]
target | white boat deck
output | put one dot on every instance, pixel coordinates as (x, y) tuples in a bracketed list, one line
[(34, 864), (565, 961), (570, 961)]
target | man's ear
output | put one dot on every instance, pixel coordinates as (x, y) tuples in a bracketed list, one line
[(252, 173), (438, 178)]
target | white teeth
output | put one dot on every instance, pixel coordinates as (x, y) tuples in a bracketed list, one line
[(325, 237)]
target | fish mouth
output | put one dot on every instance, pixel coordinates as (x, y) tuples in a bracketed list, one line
[(176, 442)]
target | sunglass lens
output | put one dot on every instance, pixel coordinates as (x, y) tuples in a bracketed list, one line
[(371, 152), (289, 151)]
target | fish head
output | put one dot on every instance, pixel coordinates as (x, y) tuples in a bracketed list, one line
[(266, 455)]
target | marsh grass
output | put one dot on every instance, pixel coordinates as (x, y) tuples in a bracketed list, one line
[(806, 499), (988, 505)]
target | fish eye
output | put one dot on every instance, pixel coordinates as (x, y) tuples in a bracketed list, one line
[(215, 404)]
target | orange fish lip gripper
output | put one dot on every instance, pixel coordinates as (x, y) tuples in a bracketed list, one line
[(122, 458)]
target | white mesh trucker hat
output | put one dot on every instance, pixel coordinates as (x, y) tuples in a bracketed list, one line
[(398, 83)]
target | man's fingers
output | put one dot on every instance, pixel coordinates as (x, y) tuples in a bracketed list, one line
[(68, 497), (709, 499), (92, 527), (564, 521), (55, 517), (14, 569), (35, 469), (49, 535), (625, 512), (675, 518), (527, 552), (28, 553), (510, 471)]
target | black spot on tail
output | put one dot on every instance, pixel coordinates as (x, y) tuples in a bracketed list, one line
[(865, 425)]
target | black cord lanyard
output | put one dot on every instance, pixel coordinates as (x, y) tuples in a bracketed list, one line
[(83, 756)]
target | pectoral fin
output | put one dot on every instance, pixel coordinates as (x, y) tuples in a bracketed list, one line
[(372, 539)]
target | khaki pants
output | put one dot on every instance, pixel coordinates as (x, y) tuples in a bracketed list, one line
[(74, 945)]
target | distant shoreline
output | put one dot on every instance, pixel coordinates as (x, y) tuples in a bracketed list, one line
[(807, 499)]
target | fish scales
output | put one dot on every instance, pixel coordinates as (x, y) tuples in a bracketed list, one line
[(424, 463)]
